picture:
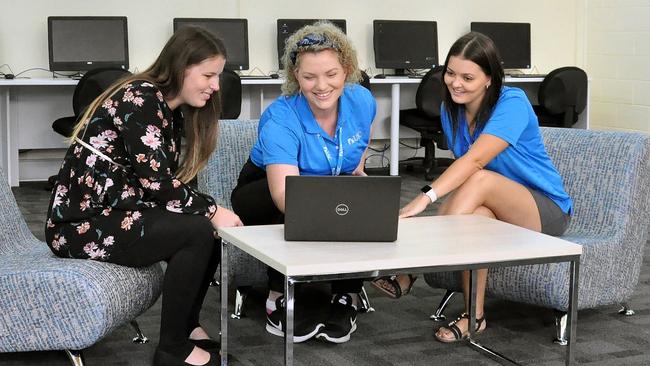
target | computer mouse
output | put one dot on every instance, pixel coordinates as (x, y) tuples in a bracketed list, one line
[(380, 76), (274, 76), (10, 76)]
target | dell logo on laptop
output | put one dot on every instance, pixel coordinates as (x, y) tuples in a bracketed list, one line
[(342, 209)]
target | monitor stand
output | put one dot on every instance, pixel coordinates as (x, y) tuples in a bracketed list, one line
[(399, 74)]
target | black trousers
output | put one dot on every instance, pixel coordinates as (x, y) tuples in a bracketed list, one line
[(187, 244), (251, 200)]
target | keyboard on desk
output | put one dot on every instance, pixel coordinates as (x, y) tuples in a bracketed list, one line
[(526, 76), (254, 77)]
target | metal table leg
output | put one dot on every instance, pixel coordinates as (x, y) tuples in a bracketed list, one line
[(288, 329), (224, 302), (572, 312)]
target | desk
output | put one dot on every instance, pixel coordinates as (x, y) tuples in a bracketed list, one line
[(32, 104), (424, 244)]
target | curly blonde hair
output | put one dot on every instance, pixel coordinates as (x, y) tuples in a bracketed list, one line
[(327, 36)]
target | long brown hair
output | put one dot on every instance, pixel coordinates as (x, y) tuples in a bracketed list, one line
[(188, 46), (479, 49)]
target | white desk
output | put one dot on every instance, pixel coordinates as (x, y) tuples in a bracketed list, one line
[(424, 244), (32, 104)]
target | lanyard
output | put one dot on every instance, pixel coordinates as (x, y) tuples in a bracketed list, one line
[(336, 169)]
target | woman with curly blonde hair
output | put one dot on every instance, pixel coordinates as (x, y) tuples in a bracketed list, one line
[(322, 110)]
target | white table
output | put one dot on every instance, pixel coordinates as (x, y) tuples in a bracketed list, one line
[(424, 244)]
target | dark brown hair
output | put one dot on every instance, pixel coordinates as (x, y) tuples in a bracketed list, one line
[(187, 47), (480, 49)]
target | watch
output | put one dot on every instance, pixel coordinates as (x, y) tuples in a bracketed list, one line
[(429, 192)]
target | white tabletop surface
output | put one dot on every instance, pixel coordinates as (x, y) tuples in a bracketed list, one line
[(421, 242)]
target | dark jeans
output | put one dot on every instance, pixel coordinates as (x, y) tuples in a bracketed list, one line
[(187, 244), (251, 200)]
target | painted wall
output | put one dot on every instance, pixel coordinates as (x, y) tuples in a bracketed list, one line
[(23, 31), (618, 61)]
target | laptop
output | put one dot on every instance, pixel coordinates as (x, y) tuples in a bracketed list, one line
[(341, 208)]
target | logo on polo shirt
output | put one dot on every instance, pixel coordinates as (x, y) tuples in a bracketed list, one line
[(342, 209), (356, 137)]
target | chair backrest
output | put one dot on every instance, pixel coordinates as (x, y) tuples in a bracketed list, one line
[(429, 94), (564, 90), (607, 175), (365, 80), (14, 233), (230, 91), (219, 177), (92, 84)]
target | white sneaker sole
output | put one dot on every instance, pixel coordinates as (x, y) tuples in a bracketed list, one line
[(296, 339), (343, 339)]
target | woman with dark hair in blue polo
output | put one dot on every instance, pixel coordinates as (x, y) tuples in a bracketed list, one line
[(501, 171)]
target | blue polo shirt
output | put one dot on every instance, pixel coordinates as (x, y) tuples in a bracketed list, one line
[(289, 133), (525, 159)]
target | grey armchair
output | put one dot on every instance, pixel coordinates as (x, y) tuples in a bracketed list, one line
[(607, 174), (52, 303)]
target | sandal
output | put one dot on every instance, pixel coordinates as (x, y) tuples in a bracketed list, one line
[(390, 286), (458, 335)]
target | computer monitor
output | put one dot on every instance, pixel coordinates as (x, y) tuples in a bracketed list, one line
[(85, 43), (405, 44), (512, 41), (232, 31), (286, 27)]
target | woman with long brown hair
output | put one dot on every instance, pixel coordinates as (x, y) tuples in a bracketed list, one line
[(122, 195)]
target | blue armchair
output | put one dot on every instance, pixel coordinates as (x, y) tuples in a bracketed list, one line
[(608, 175), (51, 303)]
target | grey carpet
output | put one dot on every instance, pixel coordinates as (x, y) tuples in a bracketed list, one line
[(399, 332)]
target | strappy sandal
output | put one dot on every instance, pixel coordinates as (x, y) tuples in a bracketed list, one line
[(458, 335), (389, 285)]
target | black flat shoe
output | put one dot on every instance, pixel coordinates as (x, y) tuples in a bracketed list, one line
[(162, 358), (209, 345)]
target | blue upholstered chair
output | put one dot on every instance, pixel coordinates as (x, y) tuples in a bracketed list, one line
[(218, 179), (608, 176), (51, 303)]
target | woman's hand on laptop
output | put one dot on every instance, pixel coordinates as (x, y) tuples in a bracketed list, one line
[(359, 173), (225, 218), (417, 205)]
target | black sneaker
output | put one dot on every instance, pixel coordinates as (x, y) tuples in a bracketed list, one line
[(341, 322), (302, 330)]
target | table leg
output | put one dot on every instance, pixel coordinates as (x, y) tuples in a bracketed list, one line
[(394, 129), (572, 312), (471, 302), (288, 329), (224, 302), (472, 324)]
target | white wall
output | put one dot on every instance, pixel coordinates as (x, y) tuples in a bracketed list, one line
[(23, 31), (618, 61)]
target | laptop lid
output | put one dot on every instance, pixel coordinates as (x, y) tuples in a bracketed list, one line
[(341, 208)]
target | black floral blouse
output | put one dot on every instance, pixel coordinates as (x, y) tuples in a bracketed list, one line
[(97, 205)]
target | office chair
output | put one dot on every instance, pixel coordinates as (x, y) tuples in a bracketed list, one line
[(90, 86), (230, 91), (425, 118), (562, 97), (365, 80)]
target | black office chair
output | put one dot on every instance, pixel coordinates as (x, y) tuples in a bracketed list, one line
[(365, 80), (425, 118), (562, 97), (230, 91), (89, 87)]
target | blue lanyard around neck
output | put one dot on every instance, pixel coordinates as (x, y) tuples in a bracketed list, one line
[(336, 168)]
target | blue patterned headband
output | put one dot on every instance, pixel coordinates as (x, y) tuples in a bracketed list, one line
[(312, 39)]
